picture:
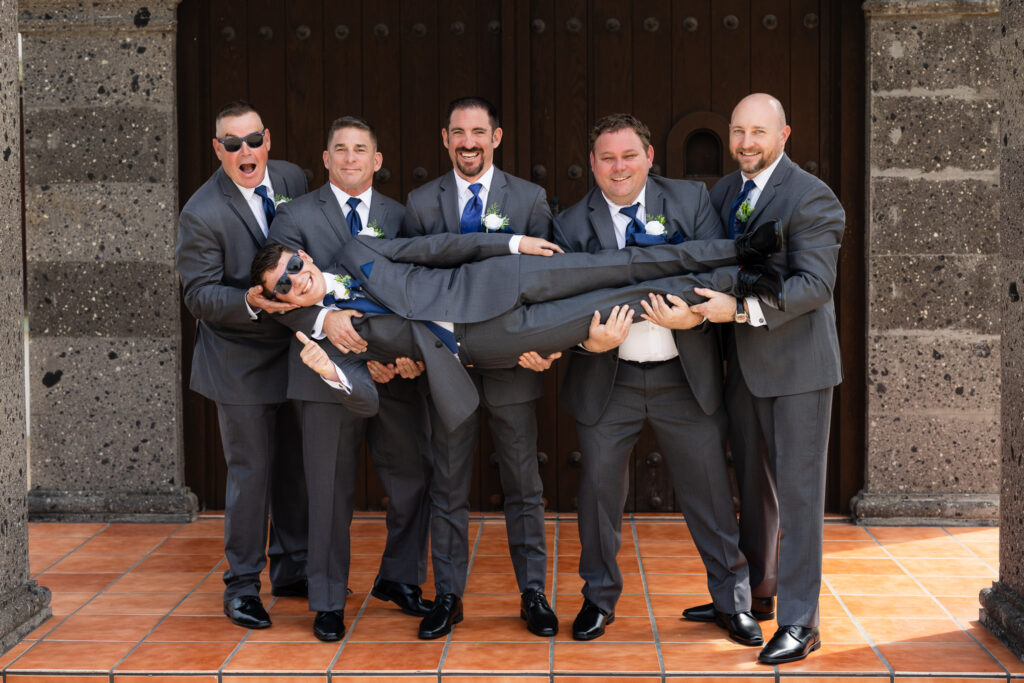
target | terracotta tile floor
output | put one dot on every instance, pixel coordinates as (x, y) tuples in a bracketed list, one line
[(141, 603)]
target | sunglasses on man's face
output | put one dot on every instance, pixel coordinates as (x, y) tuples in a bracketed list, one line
[(233, 144), (284, 283)]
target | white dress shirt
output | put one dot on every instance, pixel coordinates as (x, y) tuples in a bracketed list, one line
[(363, 208), (645, 342), (465, 194), (255, 203), (754, 311)]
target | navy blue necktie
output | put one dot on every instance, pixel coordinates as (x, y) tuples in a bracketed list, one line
[(747, 187), (634, 226), (268, 203), (355, 224), (472, 214)]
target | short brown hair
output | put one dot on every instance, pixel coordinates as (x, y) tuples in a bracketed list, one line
[(235, 108), (266, 260), (351, 122), (613, 123)]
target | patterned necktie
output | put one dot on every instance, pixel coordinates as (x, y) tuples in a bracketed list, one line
[(634, 226), (747, 187), (355, 224), (268, 203), (472, 214)]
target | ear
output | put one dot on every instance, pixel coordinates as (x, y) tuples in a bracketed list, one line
[(266, 138), (786, 130), (327, 155), (378, 161), (304, 256), (444, 137), (650, 155), (496, 137), (218, 150)]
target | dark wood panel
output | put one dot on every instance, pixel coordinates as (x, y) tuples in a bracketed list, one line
[(652, 62), (419, 96), (691, 46), (305, 93), (266, 69), (382, 90), (611, 55), (730, 54), (770, 66), (803, 107), (344, 72)]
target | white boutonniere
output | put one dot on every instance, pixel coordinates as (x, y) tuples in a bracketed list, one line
[(345, 289), (280, 199), (655, 225), (372, 230), (494, 221), (743, 213)]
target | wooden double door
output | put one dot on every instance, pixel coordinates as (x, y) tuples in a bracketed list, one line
[(552, 67)]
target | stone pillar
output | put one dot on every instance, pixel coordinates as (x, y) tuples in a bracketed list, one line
[(933, 349), (101, 206), (1003, 603), (23, 604)]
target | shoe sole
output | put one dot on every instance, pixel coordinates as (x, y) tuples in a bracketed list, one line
[(252, 626), (701, 620), (385, 598), (580, 636), (734, 638), (795, 658), (439, 634), (327, 639), (543, 634)]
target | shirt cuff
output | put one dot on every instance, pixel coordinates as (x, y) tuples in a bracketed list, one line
[(318, 326), (513, 244), (343, 386), (253, 312), (755, 314)]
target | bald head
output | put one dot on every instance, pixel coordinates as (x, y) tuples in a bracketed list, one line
[(757, 133)]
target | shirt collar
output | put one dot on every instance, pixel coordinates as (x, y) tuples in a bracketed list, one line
[(248, 192), (762, 178), (343, 196), (484, 180), (641, 198)]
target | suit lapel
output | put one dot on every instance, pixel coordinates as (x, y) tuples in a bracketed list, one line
[(329, 205), (498, 196), (601, 220), (240, 206), (448, 198), (655, 206), (732, 188), (379, 216), (779, 175)]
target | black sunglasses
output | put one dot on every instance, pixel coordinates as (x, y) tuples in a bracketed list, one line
[(233, 144), (284, 283)]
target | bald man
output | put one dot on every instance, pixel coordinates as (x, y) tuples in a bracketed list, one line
[(782, 367)]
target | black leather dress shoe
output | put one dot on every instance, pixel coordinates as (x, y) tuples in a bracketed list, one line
[(590, 622), (297, 589), (742, 627), (763, 283), (247, 611), (757, 244), (540, 618), (763, 609), (408, 597), (790, 644), (329, 626), (447, 612)]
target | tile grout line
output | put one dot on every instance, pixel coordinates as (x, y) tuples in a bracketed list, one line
[(469, 570), (647, 595), (863, 631), (995, 570), (939, 603), (344, 641), (554, 593)]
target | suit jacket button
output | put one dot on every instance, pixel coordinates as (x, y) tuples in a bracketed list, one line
[(438, 344)]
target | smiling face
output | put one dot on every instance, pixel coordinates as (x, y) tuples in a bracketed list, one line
[(351, 159), (620, 163), (307, 285), (246, 166), (757, 133), (471, 142)]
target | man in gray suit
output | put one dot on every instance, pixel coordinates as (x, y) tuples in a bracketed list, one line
[(783, 364), (472, 197), (239, 361), (653, 372), (321, 223)]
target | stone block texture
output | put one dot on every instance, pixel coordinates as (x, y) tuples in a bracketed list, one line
[(100, 213), (1003, 604), (934, 260), (23, 604)]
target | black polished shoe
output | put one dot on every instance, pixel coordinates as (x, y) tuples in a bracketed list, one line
[(790, 644), (247, 611), (540, 618), (447, 612), (329, 626), (742, 627), (590, 622), (757, 244), (763, 283), (763, 609), (705, 613), (296, 589), (408, 597)]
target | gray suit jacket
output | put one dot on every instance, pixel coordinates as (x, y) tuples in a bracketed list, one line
[(315, 223), (236, 360), (797, 350), (587, 226), (434, 208)]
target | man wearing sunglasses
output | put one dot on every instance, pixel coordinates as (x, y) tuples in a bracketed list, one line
[(239, 361), (322, 223)]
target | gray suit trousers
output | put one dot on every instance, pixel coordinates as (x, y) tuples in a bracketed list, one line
[(691, 442), (264, 472)]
